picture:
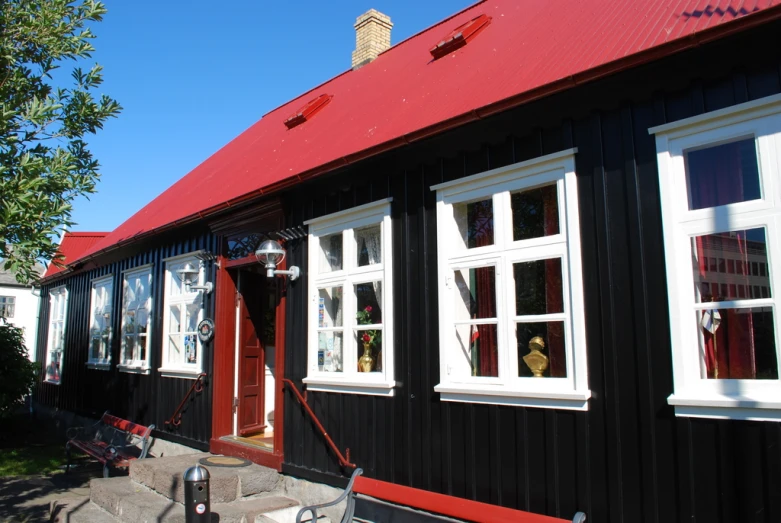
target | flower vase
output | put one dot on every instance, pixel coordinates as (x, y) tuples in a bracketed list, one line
[(366, 362)]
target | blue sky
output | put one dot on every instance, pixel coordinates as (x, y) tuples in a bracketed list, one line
[(192, 75)]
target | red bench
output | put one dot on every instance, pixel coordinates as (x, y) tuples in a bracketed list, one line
[(113, 441), (430, 502)]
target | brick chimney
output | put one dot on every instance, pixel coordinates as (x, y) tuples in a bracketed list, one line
[(372, 36)]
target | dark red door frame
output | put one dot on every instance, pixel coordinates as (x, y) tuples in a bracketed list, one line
[(226, 295)]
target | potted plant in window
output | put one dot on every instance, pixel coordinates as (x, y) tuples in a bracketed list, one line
[(369, 338)]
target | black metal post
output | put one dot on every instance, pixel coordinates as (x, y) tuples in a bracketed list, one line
[(197, 508)]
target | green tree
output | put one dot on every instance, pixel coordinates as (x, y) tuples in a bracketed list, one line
[(44, 160), (19, 373)]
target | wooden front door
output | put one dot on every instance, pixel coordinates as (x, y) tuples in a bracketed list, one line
[(252, 356)]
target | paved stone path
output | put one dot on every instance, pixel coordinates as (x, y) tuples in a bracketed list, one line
[(25, 499)]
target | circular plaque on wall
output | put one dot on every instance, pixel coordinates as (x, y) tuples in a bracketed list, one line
[(205, 330)]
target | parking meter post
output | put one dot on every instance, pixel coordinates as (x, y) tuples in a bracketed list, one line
[(197, 508)]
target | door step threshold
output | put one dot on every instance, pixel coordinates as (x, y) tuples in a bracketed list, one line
[(247, 442)]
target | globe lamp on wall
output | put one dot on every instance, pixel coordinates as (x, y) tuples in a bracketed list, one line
[(189, 276), (270, 254)]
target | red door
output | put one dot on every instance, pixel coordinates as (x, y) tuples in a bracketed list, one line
[(252, 357)]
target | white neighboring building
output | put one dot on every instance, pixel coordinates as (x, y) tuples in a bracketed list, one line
[(20, 307)]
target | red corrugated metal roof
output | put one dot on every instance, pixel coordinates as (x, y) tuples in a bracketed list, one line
[(72, 247), (531, 48)]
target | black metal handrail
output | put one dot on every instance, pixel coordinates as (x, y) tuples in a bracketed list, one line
[(197, 386)]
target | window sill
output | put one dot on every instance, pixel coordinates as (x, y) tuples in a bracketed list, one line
[(188, 374), (345, 386), (718, 406), (51, 382), (98, 365), (514, 398), (133, 369)]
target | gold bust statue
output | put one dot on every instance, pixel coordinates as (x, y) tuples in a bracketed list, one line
[(536, 360)]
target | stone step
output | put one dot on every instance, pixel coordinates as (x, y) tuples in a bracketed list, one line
[(164, 475), (288, 515), (135, 503), (78, 510)]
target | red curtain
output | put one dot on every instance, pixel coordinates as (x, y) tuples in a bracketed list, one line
[(553, 290), (730, 352), (485, 359), (716, 179)]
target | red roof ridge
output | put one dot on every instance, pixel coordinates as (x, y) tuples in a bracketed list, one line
[(85, 234), (397, 44)]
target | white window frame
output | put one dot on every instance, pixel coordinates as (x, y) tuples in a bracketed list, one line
[(182, 369), (58, 301), (105, 283), (137, 366), (508, 388), (693, 395), (350, 380)]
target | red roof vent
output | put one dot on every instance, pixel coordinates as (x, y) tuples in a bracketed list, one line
[(308, 111), (460, 36)]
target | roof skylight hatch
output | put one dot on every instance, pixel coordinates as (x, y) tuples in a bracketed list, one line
[(460, 36), (305, 113)]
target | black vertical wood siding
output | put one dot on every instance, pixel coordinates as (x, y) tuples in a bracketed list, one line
[(146, 399), (628, 458)]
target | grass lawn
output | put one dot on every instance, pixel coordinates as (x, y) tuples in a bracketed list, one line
[(29, 447), (31, 459)]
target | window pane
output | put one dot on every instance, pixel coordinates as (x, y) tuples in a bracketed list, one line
[(369, 350), (174, 349), (142, 318), (535, 213), (190, 349), (369, 302), (130, 322), (723, 174), (331, 253), (476, 293), (738, 343), (329, 352), (141, 348), (369, 245), (192, 310), (477, 353), (174, 318), (330, 308), (95, 352), (475, 222), (130, 349), (538, 287), (746, 249), (541, 351)]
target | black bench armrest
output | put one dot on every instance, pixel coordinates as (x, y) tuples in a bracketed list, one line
[(348, 493)]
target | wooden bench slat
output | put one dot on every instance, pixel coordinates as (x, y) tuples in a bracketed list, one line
[(113, 433)]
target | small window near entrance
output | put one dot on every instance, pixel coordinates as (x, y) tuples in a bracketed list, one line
[(350, 313), (182, 311)]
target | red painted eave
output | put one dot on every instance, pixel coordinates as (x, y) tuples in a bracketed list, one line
[(72, 247), (529, 51)]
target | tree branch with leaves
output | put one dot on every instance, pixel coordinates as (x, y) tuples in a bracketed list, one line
[(45, 162)]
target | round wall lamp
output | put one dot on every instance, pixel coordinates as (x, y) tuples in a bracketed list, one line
[(270, 254), (189, 276)]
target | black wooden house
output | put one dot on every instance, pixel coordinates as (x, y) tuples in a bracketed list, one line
[(535, 245)]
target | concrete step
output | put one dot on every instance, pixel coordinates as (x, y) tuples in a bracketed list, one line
[(129, 501), (164, 476), (135, 503), (78, 510)]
